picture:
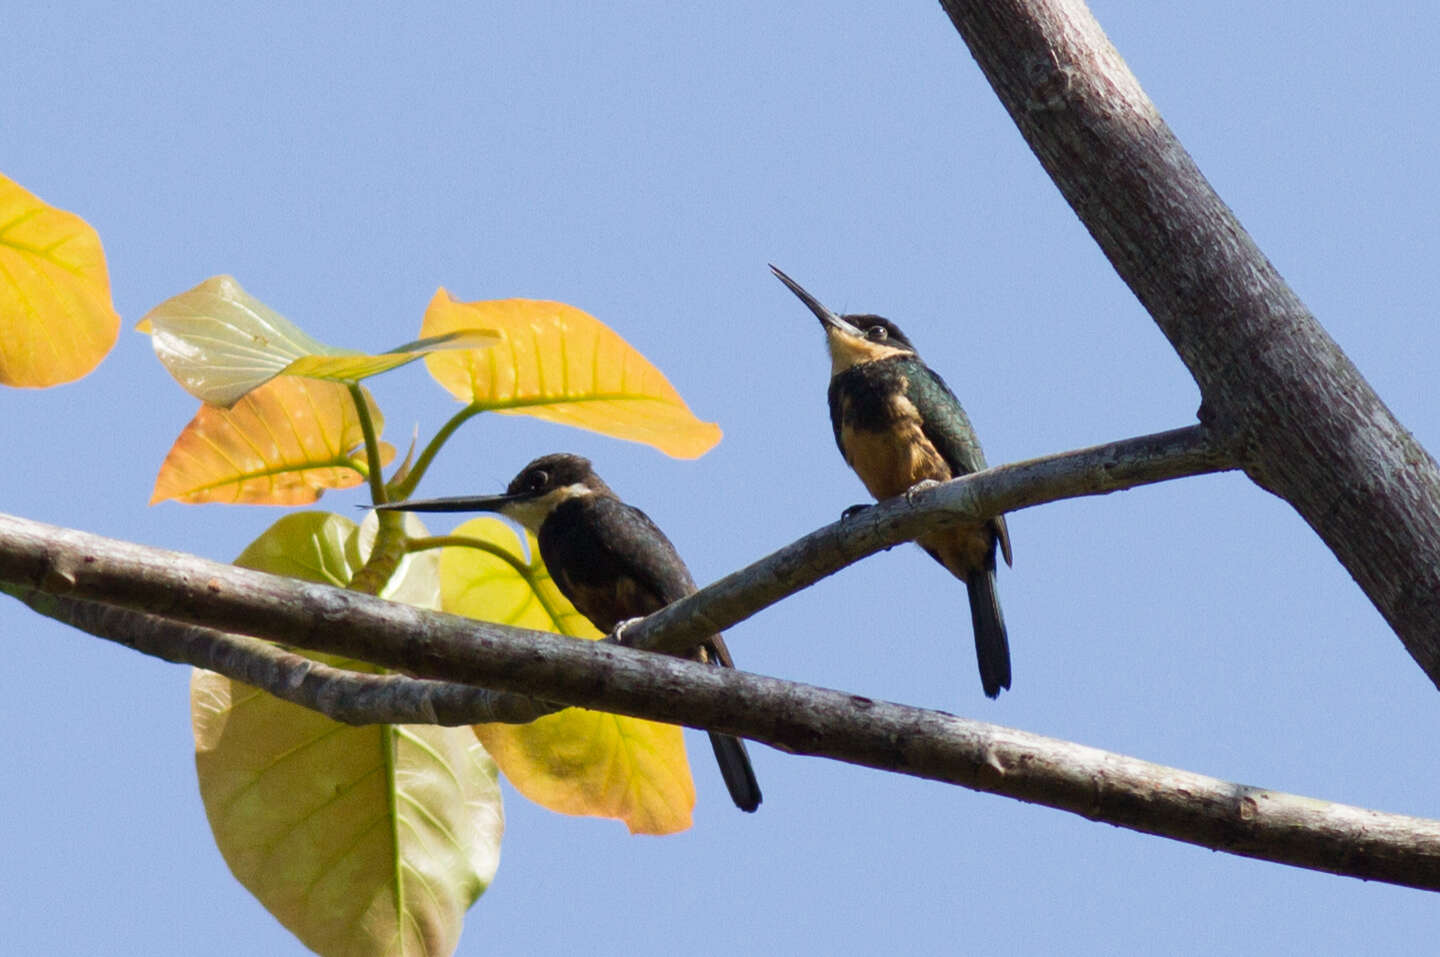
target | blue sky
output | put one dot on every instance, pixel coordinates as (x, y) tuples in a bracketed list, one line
[(644, 162)]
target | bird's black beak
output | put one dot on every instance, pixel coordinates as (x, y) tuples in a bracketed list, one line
[(827, 318), (459, 503)]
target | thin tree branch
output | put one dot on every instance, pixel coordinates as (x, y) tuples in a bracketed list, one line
[(349, 697), (1276, 387), (74, 564), (1098, 470)]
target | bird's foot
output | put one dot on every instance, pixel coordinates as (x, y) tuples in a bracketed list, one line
[(617, 634), (917, 488), (854, 510)]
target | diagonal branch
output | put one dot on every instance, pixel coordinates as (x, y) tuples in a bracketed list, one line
[(1275, 386), (1097, 470)]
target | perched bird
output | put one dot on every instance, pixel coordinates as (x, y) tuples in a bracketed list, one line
[(898, 425), (610, 560)]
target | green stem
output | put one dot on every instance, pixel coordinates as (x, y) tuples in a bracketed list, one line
[(464, 541), (525, 570), (372, 443), (406, 486)]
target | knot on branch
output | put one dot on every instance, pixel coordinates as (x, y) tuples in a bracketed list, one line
[(1050, 84)]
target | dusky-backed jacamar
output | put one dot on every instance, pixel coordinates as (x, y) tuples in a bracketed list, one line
[(898, 424), (610, 560)]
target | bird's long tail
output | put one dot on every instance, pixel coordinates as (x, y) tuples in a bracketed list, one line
[(992, 648), (730, 751), (735, 768)]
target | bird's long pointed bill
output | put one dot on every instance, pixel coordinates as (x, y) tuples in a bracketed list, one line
[(826, 317), (459, 503)]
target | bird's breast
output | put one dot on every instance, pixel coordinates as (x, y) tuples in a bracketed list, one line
[(889, 451)]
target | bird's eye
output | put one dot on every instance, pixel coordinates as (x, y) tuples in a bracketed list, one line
[(538, 479), (878, 333)]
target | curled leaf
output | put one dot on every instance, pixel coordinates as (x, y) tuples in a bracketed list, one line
[(563, 365), (56, 318), (220, 342)]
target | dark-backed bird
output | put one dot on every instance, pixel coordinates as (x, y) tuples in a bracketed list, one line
[(610, 560), (898, 425)]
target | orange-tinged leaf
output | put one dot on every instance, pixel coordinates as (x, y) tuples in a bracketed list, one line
[(220, 342), (282, 444), (362, 841), (56, 318), (575, 761), (563, 365)]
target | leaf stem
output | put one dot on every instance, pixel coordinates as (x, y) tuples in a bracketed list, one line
[(372, 443), (465, 541), (406, 486)]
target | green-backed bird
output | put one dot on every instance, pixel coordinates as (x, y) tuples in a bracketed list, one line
[(898, 424), (610, 560)]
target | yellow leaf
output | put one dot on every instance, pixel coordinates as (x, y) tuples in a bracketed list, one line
[(56, 318), (360, 840), (282, 444), (563, 365), (575, 761)]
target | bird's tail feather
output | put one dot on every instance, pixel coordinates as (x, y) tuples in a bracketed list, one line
[(992, 648), (735, 768)]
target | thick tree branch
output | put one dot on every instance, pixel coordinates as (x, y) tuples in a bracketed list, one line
[(807, 720), (1305, 423)]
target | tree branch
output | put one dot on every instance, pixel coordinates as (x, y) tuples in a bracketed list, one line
[(349, 697), (1097, 470), (1276, 388), (803, 719)]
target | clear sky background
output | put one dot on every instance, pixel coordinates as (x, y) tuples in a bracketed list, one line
[(644, 161)]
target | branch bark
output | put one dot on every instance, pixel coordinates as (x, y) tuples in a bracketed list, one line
[(1276, 388), (1097, 470), (349, 697), (804, 719)]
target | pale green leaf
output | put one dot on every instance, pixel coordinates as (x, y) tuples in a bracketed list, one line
[(362, 841), (220, 342)]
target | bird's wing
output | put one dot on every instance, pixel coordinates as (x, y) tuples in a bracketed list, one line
[(944, 421), (642, 552), (948, 428)]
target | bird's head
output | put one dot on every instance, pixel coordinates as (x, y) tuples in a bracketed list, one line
[(852, 339), (530, 497)]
